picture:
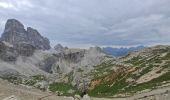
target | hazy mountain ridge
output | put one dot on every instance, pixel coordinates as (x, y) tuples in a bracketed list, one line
[(118, 52)]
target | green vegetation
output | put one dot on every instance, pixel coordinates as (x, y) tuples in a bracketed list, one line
[(12, 79), (109, 88), (136, 61), (146, 70), (63, 88), (149, 85), (104, 67), (155, 59), (30, 82), (70, 76), (39, 77), (34, 79), (167, 57), (167, 65), (80, 70)]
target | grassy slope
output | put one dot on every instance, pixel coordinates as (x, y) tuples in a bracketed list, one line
[(119, 85)]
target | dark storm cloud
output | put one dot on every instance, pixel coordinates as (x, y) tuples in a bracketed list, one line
[(93, 22)]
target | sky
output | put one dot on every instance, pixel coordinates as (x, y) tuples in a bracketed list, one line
[(85, 23)]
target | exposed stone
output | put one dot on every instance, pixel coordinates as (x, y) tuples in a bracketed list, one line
[(15, 33), (47, 64), (7, 53), (59, 47), (25, 49), (86, 97), (11, 98), (42, 85)]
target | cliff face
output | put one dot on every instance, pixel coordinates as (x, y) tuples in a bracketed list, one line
[(25, 53), (15, 33)]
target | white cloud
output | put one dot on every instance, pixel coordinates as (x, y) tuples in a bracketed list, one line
[(6, 5), (108, 22)]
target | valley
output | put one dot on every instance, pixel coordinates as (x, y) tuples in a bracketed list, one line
[(30, 69)]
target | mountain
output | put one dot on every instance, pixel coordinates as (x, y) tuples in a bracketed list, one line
[(14, 33), (27, 61), (59, 48), (117, 52), (137, 73), (26, 58)]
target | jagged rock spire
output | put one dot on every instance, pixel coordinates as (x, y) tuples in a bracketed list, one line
[(15, 33)]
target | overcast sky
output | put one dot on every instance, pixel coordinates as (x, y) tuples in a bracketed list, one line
[(84, 23)]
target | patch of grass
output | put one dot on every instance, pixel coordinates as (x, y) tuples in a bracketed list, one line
[(34, 79), (149, 85), (12, 79), (167, 57), (100, 69), (80, 70), (70, 76), (136, 61), (146, 70), (30, 82), (39, 77), (61, 87), (167, 65), (109, 88)]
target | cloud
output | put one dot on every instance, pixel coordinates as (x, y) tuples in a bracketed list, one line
[(90, 22), (6, 5)]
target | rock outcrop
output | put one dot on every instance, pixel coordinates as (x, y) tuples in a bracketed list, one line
[(24, 52), (59, 47), (15, 33), (25, 49), (7, 53)]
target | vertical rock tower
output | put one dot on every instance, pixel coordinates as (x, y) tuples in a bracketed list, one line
[(15, 34)]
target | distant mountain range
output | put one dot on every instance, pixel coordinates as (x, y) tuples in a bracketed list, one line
[(117, 52), (27, 59)]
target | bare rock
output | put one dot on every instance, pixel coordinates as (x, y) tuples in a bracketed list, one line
[(15, 33), (25, 49), (59, 48), (7, 53), (11, 98)]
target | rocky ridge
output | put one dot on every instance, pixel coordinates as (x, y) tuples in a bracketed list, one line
[(26, 58), (137, 73), (14, 33)]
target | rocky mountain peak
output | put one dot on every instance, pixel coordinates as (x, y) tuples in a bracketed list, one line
[(15, 33), (95, 49), (13, 24), (58, 47)]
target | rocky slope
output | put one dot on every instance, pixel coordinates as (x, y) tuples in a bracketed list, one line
[(26, 58), (10, 91), (141, 71)]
